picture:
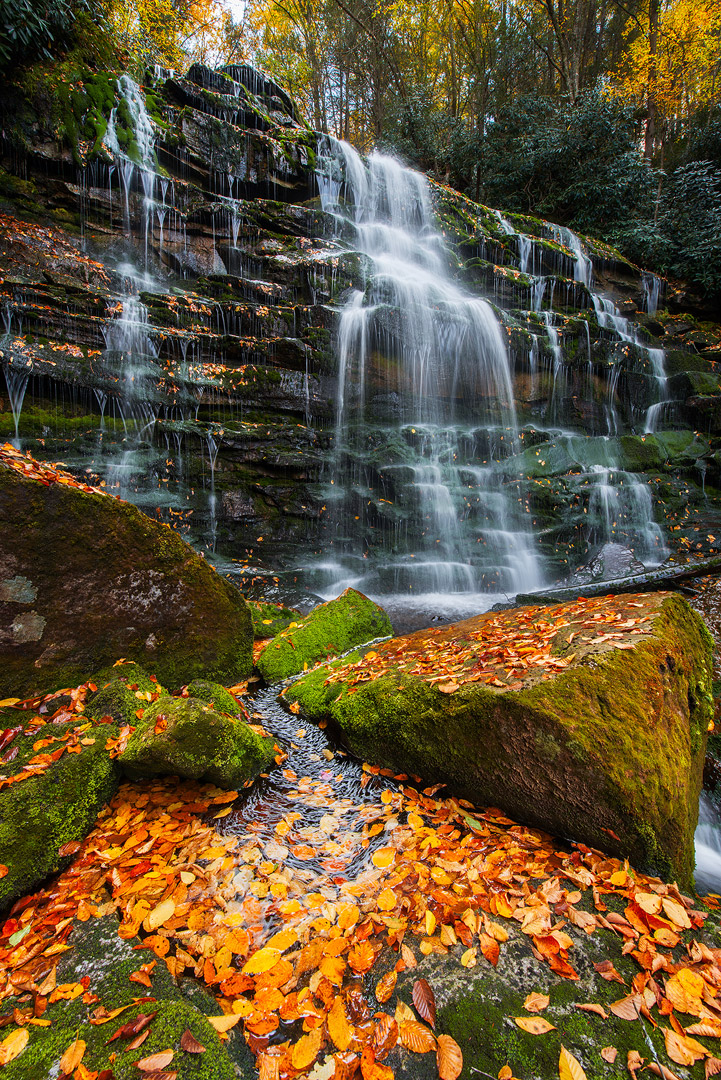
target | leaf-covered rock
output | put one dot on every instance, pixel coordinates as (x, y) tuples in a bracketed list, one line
[(85, 579), (588, 719), (186, 737), (333, 628)]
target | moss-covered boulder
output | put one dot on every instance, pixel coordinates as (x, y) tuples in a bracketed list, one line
[(587, 719), (213, 694), (58, 805), (86, 578), (270, 619), (333, 628), (108, 961), (121, 695), (186, 737)]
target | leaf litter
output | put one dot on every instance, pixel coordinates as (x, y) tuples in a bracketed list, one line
[(282, 907)]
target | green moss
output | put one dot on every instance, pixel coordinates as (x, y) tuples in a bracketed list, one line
[(39, 815), (331, 629), (214, 694), (270, 619), (197, 743), (99, 953)]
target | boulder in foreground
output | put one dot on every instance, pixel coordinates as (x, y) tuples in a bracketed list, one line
[(588, 719), (86, 578), (187, 737), (349, 621)]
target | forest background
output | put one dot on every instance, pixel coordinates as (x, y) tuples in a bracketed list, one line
[(604, 115)]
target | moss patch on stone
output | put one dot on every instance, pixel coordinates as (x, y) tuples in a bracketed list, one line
[(270, 619), (185, 737), (333, 628), (40, 815)]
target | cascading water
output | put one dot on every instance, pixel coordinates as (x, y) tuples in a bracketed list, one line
[(708, 847), (425, 406)]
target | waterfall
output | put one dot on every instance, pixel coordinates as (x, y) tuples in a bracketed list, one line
[(17, 383), (424, 381), (142, 142), (708, 847)]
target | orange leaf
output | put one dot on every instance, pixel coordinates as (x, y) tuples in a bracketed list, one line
[(155, 1061), (385, 987), (72, 1056), (13, 1045), (361, 958), (682, 1050), (416, 1037), (449, 1058), (306, 1049), (608, 1053), (338, 1026), (262, 960), (536, 1002), (190, 1044), (383, 857)]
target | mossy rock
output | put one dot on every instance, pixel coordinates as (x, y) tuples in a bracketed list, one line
[(212, 693), (40, 815), (121, 696), (108, 582), (331, 629), (609, 751), (195, 742), (98, 952), (270, 619)]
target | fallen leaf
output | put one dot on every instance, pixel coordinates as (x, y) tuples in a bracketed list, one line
[(338, 1027), (569, 1068), (190, 1044), (305, 1051), (424, 1001), (416, 1037), (385, 986), (224, 1023), (72, 1056), (536, 1002), (13, 1045), (591, 1006), (155, 1061), (449, 1058), (534, 1025), (609, 1054), (682, 1050)]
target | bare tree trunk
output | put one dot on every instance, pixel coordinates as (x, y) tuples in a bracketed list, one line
[(650, 138)]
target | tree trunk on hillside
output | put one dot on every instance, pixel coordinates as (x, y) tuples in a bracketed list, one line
[(650, 138)]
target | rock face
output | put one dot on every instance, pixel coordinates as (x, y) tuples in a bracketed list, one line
[(330, 629), (186, 737), (588, 720), (184, 350), (86, 579)]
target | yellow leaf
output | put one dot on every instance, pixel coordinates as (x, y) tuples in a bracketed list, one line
[(6, 702), (72, 1056), (691, 981), (159, 915), (263, 960), (568, 1067), (386, 900), (619, 878), (430, 923), (13, 1045), (468, 959), (383, 857), (224, 1023), (534, 1025)]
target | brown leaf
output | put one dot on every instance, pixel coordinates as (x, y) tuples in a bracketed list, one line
[(534, 1025), (190, 1044), (607, 971), (424, 1001), (72, 1056), (536, 1002), (138, 1040), (591, 1006), (634, 1062), (568, 1067), (712, 1066), (155, 1061), (627, 1008), (608, 1053), (385, 1035)]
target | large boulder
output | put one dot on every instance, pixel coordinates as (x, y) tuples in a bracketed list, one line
[(86, 578), (187, 737), (587, 719), (345, 623)]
